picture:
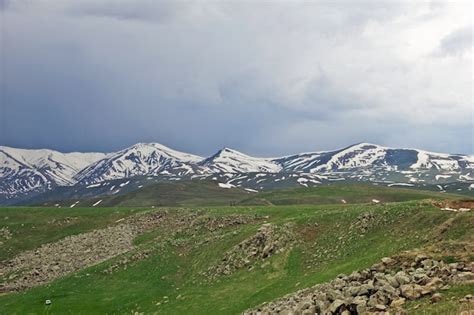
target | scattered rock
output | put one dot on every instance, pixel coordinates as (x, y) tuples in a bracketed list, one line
[(375, 290), (436, 298), (411, 291), (268, 241), (388, 261)]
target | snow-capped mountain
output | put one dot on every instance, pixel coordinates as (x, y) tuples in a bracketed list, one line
[(24, 172), (232, 161), (142, 159), (367, 155)]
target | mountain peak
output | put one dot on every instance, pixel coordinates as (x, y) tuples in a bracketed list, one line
[(227, 150), (23, 171), (365, 145)]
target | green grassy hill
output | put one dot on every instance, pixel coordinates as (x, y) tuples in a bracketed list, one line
[(341, 193), (173, 277), (208, 193), (168, 194)]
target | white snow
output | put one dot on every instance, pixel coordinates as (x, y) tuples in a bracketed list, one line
[(360, 155), (94, 185), (449, 209), (401, 184), (438, 177), (148, 159), (251, 190), (466, 177), (232, 161), (74, 204), (439, 161), (124, 184), (60, 167), (223, 185), (97, 203), (36, 169)]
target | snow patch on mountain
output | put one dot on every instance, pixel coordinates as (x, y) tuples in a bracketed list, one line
[(24, 171), (231, 161), (142, 159)]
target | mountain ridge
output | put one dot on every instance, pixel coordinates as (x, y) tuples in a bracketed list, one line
[(24, 171)]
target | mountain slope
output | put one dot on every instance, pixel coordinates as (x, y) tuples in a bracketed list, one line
[(231, 161), (24, 172), (139, 160)]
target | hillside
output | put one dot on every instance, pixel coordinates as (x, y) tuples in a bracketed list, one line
[(341, 194), (217, 260), (213, 193), (173, 194)]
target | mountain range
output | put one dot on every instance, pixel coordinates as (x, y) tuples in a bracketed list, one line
[(25, 173)]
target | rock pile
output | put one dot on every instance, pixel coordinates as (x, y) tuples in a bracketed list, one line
[(455, 205), (124, 262), (385, 286), (72, 253), (364, 221), (5, 234), (215, 223), (269, 240)]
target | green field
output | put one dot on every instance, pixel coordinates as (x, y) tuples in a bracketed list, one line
[(173, 279), (208, 193)]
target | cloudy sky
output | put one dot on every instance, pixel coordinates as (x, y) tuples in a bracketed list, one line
[(266, 77)]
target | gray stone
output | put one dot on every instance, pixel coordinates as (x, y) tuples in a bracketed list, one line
[(436, 297), (388, 261), (411, 291), (336, 305)]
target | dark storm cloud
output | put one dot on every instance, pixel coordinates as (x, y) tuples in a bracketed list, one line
[(263, 78), (141, 10)]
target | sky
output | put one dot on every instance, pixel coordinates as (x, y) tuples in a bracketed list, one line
[(267, 78)]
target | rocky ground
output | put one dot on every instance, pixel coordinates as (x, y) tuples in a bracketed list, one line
[(455, 205), (269, 240), (382, 289), (73, 253), (5, 234), (54, 260)]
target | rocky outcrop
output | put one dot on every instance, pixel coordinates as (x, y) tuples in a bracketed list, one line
[(385, 286), (269, 240), (364, 222)]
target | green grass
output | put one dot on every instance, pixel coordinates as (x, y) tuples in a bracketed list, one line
[(174, 269), (181, 194), (31, 227), (208, 193), (334, 194), (449, 304)]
